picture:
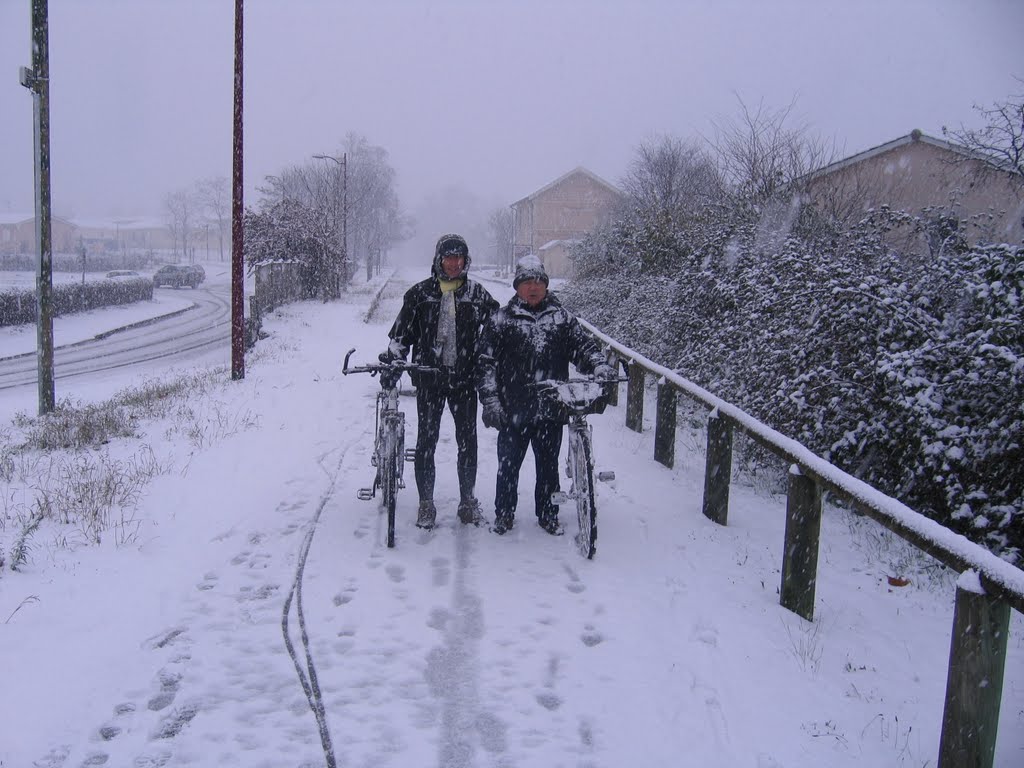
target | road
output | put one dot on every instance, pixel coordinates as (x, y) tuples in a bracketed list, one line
[(175, 340)]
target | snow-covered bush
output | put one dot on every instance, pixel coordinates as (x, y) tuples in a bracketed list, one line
[(906, 370)]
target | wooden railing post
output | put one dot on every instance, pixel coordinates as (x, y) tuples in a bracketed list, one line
[(613, 388), (665, 425), (974, 685), (635, 398), (800, 553), (718, 469)]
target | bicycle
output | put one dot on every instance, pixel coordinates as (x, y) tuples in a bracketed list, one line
[(389, 451), (570, 402)]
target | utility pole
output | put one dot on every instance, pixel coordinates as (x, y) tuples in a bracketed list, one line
[(37, 80), (237, 232)]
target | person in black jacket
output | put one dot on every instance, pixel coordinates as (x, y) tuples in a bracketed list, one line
[(440, 321), (532, 338)]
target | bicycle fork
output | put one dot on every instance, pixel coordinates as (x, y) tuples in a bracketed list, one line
[(576, 430)]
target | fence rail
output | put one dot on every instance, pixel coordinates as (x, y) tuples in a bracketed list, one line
[(986, 591)]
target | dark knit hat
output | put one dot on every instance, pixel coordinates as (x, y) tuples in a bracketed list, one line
[(529, 268)]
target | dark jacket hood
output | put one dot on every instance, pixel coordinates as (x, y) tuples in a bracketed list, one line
[(445, 242)]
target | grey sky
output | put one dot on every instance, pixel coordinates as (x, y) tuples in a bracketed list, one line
[(496, 98)]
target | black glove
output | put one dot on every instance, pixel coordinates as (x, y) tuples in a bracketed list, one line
[(605, 372), (494, 414), (395, 351)]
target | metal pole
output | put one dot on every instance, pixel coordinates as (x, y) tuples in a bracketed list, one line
[(237, 233), (38, 81)]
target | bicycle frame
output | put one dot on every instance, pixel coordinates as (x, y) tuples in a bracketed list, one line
[(389, 453)]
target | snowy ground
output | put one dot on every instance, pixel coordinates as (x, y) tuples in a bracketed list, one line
[(458, 647)]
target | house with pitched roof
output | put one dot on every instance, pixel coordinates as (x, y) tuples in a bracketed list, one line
[(548, 221), (18, 234), (917, 171)]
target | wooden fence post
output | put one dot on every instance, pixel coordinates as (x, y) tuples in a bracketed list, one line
[(800, 553), (665, 425), (717, 469), (613, 388), (974, 685), (635, 398)]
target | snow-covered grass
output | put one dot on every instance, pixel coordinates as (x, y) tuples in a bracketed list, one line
[(458, 647)]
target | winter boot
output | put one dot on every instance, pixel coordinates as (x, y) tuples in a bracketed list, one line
[(502, 524), (427, 516), (469, 511), (549, 522)]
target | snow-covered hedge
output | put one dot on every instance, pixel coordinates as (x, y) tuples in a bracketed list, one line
[(907, 372), (18, 306)]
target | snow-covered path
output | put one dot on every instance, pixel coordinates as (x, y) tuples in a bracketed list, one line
[(459, 647)]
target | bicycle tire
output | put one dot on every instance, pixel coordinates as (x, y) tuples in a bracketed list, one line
[(583, 490), (390, 468)]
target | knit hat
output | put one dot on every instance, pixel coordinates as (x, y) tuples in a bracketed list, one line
[(448, 245), (529, 268)]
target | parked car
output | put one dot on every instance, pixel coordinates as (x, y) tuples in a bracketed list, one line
[(176, 277), (198, 269)]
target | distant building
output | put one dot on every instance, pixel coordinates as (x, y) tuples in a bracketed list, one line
[(549, 220), (917, 171), (18, 234), (98, 236)]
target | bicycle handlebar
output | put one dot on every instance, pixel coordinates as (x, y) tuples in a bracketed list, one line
[(397, 366)]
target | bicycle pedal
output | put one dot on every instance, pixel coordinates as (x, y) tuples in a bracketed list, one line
[(607, 476), (410, 454), (558, 498), (365, 494)]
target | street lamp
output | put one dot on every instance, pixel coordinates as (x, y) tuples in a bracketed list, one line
[(343, 170)]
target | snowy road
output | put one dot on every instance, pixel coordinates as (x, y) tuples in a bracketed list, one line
[(172, 340)]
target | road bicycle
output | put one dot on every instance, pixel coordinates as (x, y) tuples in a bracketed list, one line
[(570, 402), (389, 451)]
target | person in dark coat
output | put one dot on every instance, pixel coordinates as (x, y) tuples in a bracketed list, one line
[(532, 338), (440, 321)]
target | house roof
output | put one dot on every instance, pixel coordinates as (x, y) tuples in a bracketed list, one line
[(24, 218), (915, 136), (560, 179)]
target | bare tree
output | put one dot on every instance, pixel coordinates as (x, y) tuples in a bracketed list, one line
[(213, 196), (672, 177), (1000, 140), (500, 227), (179, 212), (760, 153)]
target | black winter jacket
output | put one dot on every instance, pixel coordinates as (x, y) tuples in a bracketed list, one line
[(416, 327), (521, 346)]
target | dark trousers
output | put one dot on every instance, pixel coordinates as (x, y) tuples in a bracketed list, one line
[(546, 439), (430, 402)]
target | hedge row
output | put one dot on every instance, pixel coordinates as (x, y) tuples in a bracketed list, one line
[(18, 307)]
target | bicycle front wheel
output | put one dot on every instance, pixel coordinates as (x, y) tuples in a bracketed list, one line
[(391, 467), (583, 490), (389, 491)]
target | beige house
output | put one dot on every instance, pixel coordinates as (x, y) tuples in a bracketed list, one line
[(548, 221), (918, 171), (18, 234)]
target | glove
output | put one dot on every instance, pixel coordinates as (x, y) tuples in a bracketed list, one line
[(395, 351), (605, 372), (494, 414)]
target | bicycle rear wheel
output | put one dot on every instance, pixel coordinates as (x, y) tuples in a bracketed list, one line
[(583, 491)]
